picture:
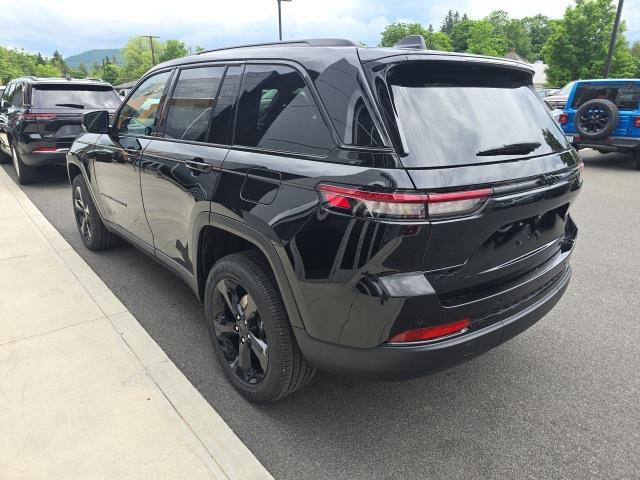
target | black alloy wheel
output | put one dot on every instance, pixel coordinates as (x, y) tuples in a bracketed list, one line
[(82, 213), (594, 120), (240, 332), (250, 330), (94, 234)]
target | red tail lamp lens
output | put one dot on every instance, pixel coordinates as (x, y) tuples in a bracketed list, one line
[(45, 149), (431, 333), (563, 119), (39, 116), (636, 122), (400, 205)]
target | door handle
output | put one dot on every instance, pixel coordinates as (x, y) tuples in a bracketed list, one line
[(197, 165)]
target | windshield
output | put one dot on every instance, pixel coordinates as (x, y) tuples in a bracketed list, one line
[(463, 114), (566, 89), (75, 97)]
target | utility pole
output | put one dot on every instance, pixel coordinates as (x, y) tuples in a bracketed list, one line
[(153, 55), (612, 43)]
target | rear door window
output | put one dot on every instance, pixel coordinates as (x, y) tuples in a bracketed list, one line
[(454, 114), (276, 111), (626, 97), (192, 103), (75, 97)]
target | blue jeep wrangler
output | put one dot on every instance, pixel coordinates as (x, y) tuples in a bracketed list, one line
[(604, 115)]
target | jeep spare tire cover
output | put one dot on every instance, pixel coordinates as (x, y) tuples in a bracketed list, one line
[(596, 118)]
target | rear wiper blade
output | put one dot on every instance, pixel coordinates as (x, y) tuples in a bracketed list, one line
[(70, 105), (512, 149)]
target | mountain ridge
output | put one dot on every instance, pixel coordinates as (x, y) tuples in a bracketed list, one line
[(91, 57)]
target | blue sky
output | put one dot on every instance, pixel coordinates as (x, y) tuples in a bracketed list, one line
[(72, 26)]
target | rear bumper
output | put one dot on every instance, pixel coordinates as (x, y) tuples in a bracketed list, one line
[(402, 362), (612, 144), (39, 159)]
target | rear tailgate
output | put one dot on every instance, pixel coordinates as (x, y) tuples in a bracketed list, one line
[(57, 108), (467, 126)]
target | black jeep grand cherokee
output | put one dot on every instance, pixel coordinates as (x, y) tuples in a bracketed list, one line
[(384, 213)]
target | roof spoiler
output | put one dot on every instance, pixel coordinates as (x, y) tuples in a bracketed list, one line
[(413, 42)]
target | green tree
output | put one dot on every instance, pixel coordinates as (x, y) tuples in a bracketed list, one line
[(137, 57), (635, 53), (518, 38), (577, 47), (47, 70), (460, 35), (484, 40), (538, 28), (173, 49), (450, 20), (395, 32)]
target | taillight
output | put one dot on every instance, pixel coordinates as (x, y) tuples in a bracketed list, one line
[(563, 119), (432, 333), (39, 116), (400, 205), (636, 122), (45, 149)]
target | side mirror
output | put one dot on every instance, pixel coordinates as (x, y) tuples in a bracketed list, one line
[(96, 122)]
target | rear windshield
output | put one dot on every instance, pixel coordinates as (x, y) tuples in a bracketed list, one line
[(625, 96), (75, 97), (463, 114)]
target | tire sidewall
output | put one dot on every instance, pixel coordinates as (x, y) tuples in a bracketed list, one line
[(271, 384), (94, 218), (612, 112)]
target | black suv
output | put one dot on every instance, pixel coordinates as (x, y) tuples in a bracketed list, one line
[(40, 118), (383, 213)]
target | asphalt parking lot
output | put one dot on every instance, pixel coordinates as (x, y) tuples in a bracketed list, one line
[(559, 401)]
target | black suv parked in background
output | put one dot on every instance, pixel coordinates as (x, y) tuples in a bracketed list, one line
[(384, 213), (40, 118)]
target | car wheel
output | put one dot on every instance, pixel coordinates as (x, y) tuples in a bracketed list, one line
[(94, 234), (636, 158), (25, 173), (596, 119), (250, 330)]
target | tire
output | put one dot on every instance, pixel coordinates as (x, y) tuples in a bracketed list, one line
[(596, 119), (252, 299), (636, 158), (4, 158), (94, 234), (25, 173)]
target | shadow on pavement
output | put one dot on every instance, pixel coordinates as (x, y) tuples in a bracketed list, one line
[(612, 160)]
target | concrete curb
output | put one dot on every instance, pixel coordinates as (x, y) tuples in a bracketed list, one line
[(206, 432)]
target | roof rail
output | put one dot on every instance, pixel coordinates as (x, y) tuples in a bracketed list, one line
[(308, 42), (413, 42)]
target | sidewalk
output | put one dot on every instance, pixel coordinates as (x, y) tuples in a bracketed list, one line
[(84, 391)]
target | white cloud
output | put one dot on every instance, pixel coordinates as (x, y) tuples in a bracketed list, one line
[(75, 25)]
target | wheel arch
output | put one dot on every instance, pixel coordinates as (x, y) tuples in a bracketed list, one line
[(222, 236)]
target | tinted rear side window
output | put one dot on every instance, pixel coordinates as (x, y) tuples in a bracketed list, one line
[(75, 97), (626, 97), (276, 111), (450, 113), (192, 103), (220, 130), (16, 99)]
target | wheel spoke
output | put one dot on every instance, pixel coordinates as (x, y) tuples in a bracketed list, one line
[(227, 288), (248, 307), (244, 357), (260, 349), (222, 326)]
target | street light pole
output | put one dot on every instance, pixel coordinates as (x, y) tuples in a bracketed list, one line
[(280, 18), (612, 43)]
